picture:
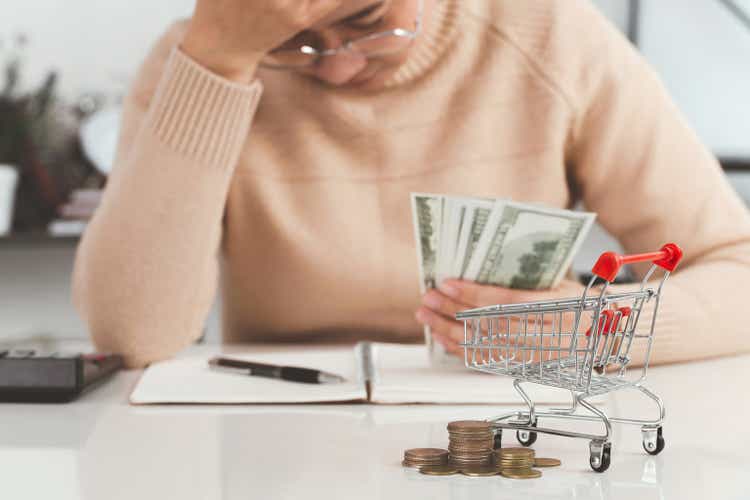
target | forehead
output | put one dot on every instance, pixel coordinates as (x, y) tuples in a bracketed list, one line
[(349, 8)]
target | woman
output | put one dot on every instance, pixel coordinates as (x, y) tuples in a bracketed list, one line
[(260, 146)]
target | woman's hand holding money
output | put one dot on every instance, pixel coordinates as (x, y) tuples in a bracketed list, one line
[(439, 307)]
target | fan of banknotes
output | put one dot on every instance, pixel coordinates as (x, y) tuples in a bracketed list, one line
[(495, 241)]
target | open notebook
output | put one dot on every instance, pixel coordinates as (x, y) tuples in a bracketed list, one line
[(376, 373)]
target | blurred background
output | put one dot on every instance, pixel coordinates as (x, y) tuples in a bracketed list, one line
[(65, 66)]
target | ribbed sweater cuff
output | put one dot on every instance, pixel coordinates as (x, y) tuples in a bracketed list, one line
[(201, 115)]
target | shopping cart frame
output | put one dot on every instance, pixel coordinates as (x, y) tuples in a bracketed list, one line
[(608, 341)]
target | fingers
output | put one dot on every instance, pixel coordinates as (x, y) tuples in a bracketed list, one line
[(443, 304), (474, 294), (478, 295), (440, 325), (450, 346)]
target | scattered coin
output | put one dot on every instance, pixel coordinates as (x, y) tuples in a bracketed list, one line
[(514, 458), (479, 471), (426, 453), (419, 457), (546, 462), (439, 470), (521, 473), (515, 452)]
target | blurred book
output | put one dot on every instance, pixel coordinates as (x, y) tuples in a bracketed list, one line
[(62, 227), (75, 214)]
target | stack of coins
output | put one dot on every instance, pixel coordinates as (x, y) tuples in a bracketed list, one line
[(423, 457), (470, 443), (516, 463)]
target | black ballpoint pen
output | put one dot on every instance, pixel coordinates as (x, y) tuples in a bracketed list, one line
[(290, 373)]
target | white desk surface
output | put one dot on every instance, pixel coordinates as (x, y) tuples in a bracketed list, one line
[(101, 448)]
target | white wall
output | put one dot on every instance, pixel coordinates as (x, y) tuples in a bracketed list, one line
[(616, 11), (88, 41), (703, 54), (95, 44)]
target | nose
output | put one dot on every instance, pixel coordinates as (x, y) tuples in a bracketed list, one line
[(342, 67)]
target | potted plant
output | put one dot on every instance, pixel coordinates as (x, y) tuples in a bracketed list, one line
[(38, 135)]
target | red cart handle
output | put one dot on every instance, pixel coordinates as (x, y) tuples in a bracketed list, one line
[(609, 263), (608, 323)]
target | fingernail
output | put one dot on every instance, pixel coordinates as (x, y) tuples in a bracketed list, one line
[(431, 300), (450, 290)]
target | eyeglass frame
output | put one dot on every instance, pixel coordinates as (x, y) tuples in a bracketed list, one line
[(347, 46)]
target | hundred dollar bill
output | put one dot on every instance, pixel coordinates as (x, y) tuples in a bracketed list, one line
[(477, 215), (427, 214), (526, 246), (454, 217)]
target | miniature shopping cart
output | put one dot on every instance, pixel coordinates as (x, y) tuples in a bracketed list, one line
[(581, 344)]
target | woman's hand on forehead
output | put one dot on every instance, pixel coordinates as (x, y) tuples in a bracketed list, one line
[(349, 9), (230, 37)]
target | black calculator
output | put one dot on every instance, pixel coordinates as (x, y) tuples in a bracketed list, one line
[(33, 376)]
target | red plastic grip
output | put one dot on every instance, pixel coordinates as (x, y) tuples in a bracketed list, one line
[(608, 323), (605, 320), (609, 263)]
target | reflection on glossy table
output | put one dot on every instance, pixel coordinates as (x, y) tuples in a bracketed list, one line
[(101, 448)]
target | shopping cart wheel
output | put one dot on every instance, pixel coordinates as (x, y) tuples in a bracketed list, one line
[(600, 456), (526, 438), (498, 442), (653, 441)]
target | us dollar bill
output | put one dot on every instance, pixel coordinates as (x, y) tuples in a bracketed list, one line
[(427, 215), (477, 215), (527, 246), (455, 212)]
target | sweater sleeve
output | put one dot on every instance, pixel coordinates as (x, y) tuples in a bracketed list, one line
[(146, 269), (637, 164)]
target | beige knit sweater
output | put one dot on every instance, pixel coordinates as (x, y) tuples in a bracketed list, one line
[(306, 217)]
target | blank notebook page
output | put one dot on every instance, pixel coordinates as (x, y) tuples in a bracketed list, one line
[(403, 374), (189, 380)]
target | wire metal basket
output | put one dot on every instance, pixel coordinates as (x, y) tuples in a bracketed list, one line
[(580, 344)]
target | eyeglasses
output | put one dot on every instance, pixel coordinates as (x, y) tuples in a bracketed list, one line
[(371, 46)]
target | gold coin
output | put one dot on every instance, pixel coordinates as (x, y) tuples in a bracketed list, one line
[(514, 452), (522, 460), (439, 470), (546, 462), (417, 465), (479, 471), (470, 463), (469, 426), (426, 453), (521, 473)]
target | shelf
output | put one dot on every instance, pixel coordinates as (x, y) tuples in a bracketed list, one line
[(735, 164), (39, 239)]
